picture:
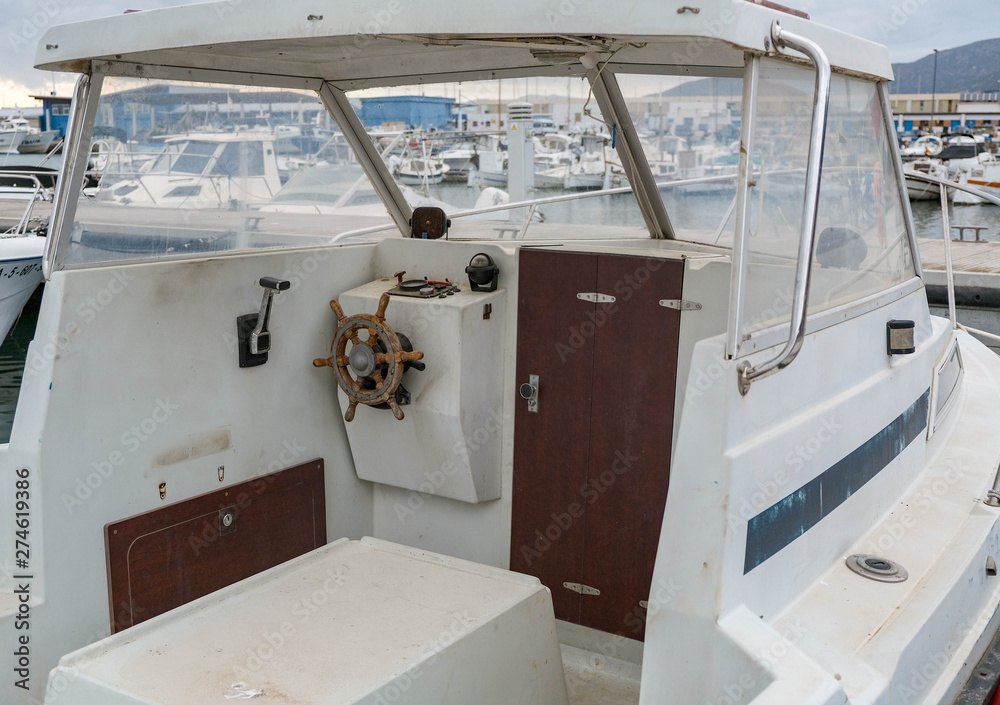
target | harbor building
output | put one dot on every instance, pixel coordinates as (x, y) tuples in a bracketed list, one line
[(946, 112)]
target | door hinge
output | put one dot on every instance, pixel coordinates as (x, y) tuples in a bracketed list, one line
[(680, 304), (582, 589), (596, 298)]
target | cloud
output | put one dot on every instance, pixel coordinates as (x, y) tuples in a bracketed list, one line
[(22, 24), (910, 29)]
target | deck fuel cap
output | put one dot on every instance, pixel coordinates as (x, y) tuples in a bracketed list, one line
[(877, 568)]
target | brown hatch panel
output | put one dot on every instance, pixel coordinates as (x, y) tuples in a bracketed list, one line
[(167, 557), (591, 465)]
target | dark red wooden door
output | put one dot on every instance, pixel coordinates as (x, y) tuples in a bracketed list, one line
[(551, 448), (590, 480)]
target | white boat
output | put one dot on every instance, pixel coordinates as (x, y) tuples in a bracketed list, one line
[(984, 176), (550, 177), (921, 190), (592, 171), (459, 158), (197, 170), (923, 146), (489, 169), (21, 249), (421, 171), (17, 135), (20, 275), (712, 453)]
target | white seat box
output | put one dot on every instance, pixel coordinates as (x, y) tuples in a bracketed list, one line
[(353, 622)]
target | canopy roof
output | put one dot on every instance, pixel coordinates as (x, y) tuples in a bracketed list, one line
[(363, 43)]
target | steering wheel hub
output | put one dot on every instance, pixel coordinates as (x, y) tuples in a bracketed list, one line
[(362, 360)]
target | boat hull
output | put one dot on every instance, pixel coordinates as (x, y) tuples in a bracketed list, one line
[(413, 179), (20, 274), (10, 141), (37, 143)]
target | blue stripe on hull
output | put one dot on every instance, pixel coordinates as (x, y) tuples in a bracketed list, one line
[(782, 523)]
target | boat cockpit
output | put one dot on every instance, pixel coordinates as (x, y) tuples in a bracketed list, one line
[(364, 442)]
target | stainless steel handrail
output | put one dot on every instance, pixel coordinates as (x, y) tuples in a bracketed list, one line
[(39, 192), (943, 186), (535, 202), (920, 176), (747, 373)]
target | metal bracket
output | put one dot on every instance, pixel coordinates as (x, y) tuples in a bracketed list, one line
[(680, 304), (529, 391), (596, 298), (582, 589)]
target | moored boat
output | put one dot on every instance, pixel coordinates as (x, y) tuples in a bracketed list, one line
[(702, 454)]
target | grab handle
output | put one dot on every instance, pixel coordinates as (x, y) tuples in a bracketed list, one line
[(746, 372)]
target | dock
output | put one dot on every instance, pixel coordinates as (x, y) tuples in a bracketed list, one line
[(12, 210), (966, 256)]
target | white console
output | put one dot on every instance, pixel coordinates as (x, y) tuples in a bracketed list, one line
[(448, 444)]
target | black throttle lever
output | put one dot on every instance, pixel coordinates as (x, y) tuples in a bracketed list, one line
[(254, 337)]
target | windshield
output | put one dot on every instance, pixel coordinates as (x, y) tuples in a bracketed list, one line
[(861, 238), (185, 168)]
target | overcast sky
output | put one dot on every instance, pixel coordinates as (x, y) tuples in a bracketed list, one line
[(910, 28)]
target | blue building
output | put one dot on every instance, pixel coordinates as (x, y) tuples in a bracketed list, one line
[(55, 113), (166, 108), (414, 111)]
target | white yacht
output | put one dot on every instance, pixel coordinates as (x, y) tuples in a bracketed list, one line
[(197, 170), (20, 275), (984, 176), (22, 240), (17, 135), (653, 448), (923, 146)]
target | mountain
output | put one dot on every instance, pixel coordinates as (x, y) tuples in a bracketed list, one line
[(966, 69), (970, 68), (705, 87)]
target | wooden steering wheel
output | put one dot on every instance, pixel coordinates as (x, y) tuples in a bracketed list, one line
[(376, 362)]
